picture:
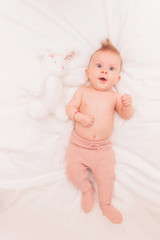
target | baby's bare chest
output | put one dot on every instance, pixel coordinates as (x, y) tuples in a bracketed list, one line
[(98, 103)]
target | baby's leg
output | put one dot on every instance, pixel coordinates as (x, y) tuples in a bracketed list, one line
[(104, 176), (77, 173)]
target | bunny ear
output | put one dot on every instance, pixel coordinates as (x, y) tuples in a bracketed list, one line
[(69, 56)]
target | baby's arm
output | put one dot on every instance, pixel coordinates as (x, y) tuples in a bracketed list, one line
[(72, 110), (124, 106)]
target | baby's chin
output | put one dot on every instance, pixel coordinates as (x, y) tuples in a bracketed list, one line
[(101, 88)]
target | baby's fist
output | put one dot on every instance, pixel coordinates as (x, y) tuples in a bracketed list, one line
[(87, 121), (126, 100)]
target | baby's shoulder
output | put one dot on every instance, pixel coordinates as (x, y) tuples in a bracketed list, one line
[(84, 89), (80, 91), (116, 96)]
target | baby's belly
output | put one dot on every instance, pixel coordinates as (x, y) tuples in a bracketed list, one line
[(98, 131)]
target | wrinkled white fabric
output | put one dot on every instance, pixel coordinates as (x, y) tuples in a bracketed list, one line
[(36, 199)]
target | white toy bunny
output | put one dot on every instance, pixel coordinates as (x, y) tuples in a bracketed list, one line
[(47, 95)]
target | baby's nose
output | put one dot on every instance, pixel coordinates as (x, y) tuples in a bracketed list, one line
[(104, 71)]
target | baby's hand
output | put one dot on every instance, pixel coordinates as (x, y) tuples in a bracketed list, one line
[(126, 100), (87, 121)]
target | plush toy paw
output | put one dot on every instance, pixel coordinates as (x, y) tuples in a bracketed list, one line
[(60, 113)]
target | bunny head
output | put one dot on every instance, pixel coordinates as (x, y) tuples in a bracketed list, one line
[(56, 64)]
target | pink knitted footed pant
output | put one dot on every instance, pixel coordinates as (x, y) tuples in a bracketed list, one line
[(97, 156)]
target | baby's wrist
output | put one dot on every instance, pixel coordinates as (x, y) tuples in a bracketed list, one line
[(74, 115), (127, 111)]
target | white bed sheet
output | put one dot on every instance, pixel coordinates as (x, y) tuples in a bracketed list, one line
[(36, 199)]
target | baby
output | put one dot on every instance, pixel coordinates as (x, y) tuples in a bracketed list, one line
[(92, 110)]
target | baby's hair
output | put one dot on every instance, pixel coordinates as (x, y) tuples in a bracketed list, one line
[(107, 45)]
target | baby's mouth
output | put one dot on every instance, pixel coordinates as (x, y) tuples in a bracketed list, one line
[(103, 79)]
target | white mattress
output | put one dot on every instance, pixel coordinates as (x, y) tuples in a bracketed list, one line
[(36, 199)]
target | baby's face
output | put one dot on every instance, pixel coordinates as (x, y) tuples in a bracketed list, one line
[(104, 69)]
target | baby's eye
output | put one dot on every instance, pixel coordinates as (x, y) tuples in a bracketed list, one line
[(111, 68), (99, 65)]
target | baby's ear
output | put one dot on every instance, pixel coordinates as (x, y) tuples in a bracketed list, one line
[(87, 74), (119, 78)]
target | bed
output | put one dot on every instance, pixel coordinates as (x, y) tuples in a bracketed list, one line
[(36, 199)]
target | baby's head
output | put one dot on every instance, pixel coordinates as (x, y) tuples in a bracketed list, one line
[(104, 67)]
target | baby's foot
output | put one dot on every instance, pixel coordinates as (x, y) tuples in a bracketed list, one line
[(112, 214), (87, 200)]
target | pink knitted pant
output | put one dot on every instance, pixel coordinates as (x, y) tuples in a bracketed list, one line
[(97, 156)]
